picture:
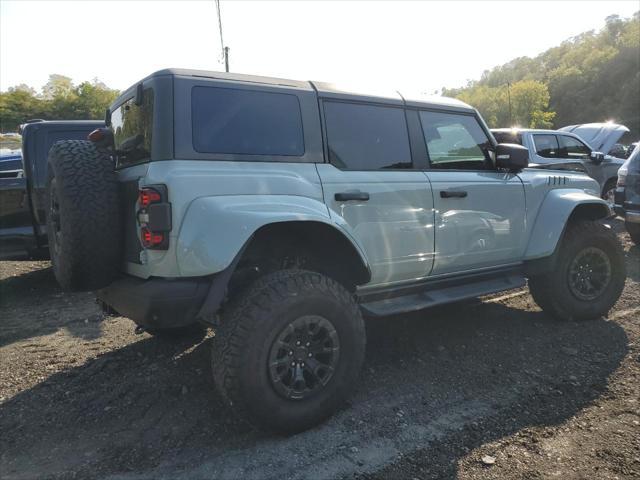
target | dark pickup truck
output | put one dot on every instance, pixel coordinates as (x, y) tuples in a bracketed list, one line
[(22, 186)]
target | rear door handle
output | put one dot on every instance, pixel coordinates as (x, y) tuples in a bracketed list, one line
[(452, 194), (346, 196)]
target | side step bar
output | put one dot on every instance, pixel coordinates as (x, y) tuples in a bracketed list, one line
[(450, 294)]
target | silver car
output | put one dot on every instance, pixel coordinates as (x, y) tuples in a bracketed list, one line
[(584, 146)]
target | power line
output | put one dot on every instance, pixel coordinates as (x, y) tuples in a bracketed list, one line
[(225, 50)]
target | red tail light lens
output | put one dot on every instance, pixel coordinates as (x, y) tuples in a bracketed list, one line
[(150, 239), (148, 196), (96, 135)]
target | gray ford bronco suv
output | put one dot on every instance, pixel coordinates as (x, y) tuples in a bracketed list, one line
[(280, 212)]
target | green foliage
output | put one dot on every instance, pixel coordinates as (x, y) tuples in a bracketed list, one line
[(59, 100), (592, 77)]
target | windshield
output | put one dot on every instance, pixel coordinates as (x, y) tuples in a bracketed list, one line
[(132, 126)]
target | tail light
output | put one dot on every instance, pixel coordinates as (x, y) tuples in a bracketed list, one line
[(622, 176), (154, 217), (151, 239), (148, 196)]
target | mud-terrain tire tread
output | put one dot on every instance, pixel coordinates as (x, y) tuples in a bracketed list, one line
[(633, 229), (244, 314), (549, 290), (87, 188)]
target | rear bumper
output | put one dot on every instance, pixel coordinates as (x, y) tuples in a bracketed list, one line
[(157, 302), (629, 210)]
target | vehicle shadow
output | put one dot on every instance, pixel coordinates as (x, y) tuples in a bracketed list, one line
[(32, 304), (464, 374)]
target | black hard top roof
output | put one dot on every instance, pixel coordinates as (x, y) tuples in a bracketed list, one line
[(328, 90)]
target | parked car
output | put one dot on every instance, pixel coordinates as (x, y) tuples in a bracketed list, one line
[(552, 147), (627, 197), (22, 184), (10, 163), (281, 211)]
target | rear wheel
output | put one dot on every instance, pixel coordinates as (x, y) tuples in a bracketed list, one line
[(634, 231), (289, 350), (83, 218), (589, 274)]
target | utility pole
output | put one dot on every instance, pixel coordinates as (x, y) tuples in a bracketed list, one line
[(509, 96), (225, 50)]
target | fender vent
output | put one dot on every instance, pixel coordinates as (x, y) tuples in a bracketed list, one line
[(557, 180)]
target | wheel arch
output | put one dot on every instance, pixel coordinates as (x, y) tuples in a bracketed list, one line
[(346, 263), (331, 250), (559, 208)]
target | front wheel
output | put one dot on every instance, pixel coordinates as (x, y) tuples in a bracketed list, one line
[(589, 274), (289, 350)]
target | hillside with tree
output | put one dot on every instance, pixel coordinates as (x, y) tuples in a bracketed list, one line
[(592, 77), (59, 99)]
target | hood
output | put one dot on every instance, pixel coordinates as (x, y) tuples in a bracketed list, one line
[(600, 136)]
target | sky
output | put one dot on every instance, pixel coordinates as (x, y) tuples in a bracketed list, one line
[(423, 46)]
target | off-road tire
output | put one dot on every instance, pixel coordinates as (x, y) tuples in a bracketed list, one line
[(633, 229), (83, 228), (251, 324), (551, 290)]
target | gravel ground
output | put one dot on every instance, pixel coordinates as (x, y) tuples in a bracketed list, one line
[(484, 389)]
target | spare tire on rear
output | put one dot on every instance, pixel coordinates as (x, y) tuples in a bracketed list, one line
[(83, 216)]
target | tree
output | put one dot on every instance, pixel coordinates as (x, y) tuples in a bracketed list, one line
[(530, 100), (58, 86), (59, 100), (592, 77)]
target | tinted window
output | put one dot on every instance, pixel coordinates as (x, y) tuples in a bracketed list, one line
[(246, 122), (367, 137), (546, 145), (132, 126), (508, 137), (573, 148), (455, 141)]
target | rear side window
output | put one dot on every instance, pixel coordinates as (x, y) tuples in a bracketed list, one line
[(546, 145), (132, 126), (367, 137), (573, 148), (455, 141), (246, 122)]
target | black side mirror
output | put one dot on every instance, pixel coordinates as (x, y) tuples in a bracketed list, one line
[(107, 118), (512, 157), (139, 94), (596, 157)]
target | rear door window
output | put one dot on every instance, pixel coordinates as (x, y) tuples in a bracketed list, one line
[(132, 127), (546, 146), (367, 137), (246, 122)]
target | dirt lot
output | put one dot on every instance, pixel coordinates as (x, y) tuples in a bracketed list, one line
[(82, 396)]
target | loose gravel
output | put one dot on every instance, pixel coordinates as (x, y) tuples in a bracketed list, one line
[(483, 389)]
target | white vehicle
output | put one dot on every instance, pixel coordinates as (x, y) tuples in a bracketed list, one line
[(586, 145)]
